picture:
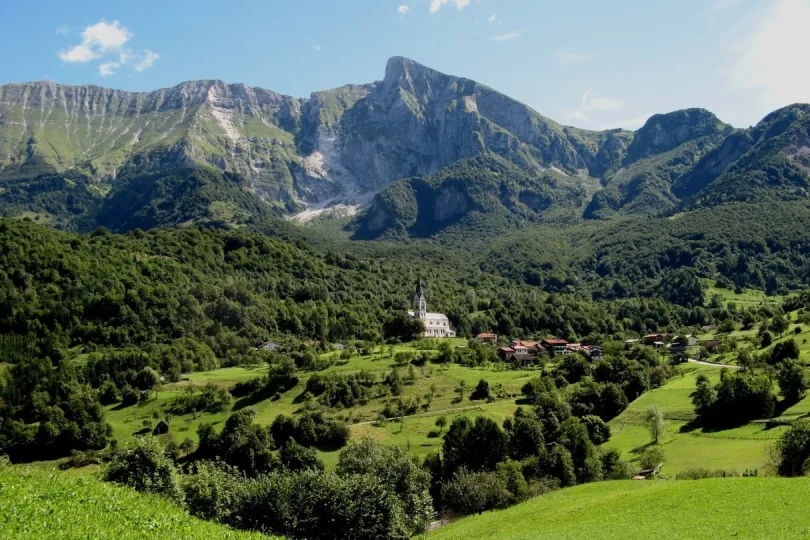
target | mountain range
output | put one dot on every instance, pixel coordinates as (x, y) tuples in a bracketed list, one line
[(416, 153)]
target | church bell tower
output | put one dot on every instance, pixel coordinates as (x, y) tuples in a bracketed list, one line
[(419, 301)]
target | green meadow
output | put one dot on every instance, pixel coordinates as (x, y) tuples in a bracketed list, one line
[(416, 432), (688, 447), (38, 502), (773, 508)]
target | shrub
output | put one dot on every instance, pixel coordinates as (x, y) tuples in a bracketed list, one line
[(108, 393), (129, 396), (145, 467), (147, 378), (212, 491), (397, 471), (295, 457), (481, 391), (474, 492), (613, 467), (700, 473), (793, 450), (598, 430), (651, 457)]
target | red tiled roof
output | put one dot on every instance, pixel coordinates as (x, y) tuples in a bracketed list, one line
[(555, 341), (507, 349), (486, 335)]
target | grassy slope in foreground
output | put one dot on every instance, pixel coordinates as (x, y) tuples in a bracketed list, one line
[(38, 503), (717, 507)]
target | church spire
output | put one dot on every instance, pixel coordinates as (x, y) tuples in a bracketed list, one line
[(419, 300)]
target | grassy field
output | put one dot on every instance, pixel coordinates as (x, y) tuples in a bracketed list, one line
[(415, 433), (684, 447), (748, 298), (717, 508), (39, 503)]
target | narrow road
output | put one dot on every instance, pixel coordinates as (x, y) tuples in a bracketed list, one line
[(433, 413), (712, 364)]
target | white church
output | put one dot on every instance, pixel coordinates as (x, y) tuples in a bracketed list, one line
[(437, 325)]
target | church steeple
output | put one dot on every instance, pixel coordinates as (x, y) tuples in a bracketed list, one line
[(419, 300)]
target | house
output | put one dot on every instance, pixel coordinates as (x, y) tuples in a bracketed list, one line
[(631, 341), (486, 337), (269, 346), (573, 347), (681, 344), (595, 352), (652, 339), (556, 345), (522, 358), (520, 348), (436, 325), (531, 345), (505, 352), (712, 344)]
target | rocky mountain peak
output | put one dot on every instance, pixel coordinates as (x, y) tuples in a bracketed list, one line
[(663, 132)]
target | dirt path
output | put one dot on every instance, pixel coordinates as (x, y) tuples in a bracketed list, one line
[(712, 364)]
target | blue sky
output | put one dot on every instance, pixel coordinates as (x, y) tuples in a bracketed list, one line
[(592, 64)]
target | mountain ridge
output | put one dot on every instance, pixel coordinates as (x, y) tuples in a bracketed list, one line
[(339, 148)]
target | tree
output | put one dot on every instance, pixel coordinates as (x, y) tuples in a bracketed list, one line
[(477, 445), (779, 324), (441, 422), (784, 351), (147, 378), (793, 450), (792, 382), (598, 430), (655, 423), (393, 468), (651, 457), (187, 446), (525, 436), (704, 396), (461, 388), (295, 457), (765, 340), (145, 467), (481, 390)]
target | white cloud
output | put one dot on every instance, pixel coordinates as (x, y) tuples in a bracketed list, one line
[(106, 41), (97, 39), (403, 9), (510, 35), (105, 69), (492, 18), (79, 53), (146, 60), (590, 103), (62, 31), (770, 60), (435, 5), (573, 58)]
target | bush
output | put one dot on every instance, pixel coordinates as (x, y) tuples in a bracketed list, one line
[(474, 492), (108, 393), (481, 391), (613, 467), (212, 491), (699, 474), (295, 457), (147, 379), (598, 430), (145, 467), (793, 450), (320, 506), (651, 457), (395, 469), (129, 396)]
